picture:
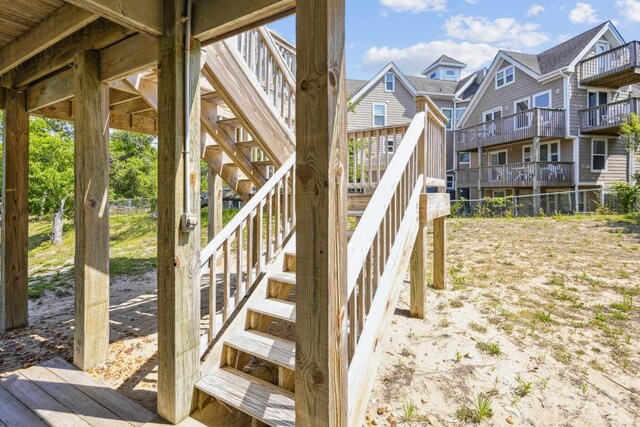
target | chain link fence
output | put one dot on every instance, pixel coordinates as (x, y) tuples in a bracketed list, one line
[(599, 200)]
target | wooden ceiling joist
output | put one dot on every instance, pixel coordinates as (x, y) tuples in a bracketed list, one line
[(217, 19), (127, 57), (50, 91), (54, 28), (144, 16)]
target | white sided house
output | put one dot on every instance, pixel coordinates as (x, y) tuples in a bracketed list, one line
[(387, 102), (550, 122)]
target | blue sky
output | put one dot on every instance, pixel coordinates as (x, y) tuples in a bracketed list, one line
[(413, 33)]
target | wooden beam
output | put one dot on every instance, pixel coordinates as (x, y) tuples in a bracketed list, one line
[(144, 16), (14, 308), (134, 106), (214, 209), (321, 209), (51, 91), (91, 334), (132, 55), (178, 250), (95, 36), (60, 24), (217, 19)]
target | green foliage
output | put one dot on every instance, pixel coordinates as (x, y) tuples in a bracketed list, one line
[(355, 148), (479, 412), (524, 387), (630, 133), (492, 348), (628, 194), (134, 166)]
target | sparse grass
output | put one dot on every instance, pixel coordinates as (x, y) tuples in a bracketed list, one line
[(480, 410), (524, 387), (625, 305), (544, 317), (492, 348), (409, 411), (478, 327)]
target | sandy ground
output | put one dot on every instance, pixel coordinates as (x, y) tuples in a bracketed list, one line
[(558, 299)]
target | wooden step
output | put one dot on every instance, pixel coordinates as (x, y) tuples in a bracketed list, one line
[(232, 122), (278, 309), (287, 277), (264, 346), (246, 145), (290, 262), (263, 401)]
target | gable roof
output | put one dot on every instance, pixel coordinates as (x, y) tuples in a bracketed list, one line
[(445, 60), (365, 88), (354, 86)]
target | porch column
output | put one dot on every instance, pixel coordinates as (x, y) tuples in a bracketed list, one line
[(536, 169), (480, 165), (91, 160), (321, 208), (14, 307), (214, 210), (178, 248)]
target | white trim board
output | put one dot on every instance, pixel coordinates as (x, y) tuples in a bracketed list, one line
[(390, 67)]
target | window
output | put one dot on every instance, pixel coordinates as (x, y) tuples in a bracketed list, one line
[(549, 152), (521, 120), (542, 100), (433, 75), (526, 154), (459, 113), (449, 75), (391, 146), (505, 76), (554, 152), (379, 114), (448, 112), (389, 82), (598, 155), (498, 158), (602, 47), (464, 159), (499, 193), (492, 115), (449, 182)]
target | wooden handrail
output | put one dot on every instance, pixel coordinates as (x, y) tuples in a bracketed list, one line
[(610, 62), (270, 43)]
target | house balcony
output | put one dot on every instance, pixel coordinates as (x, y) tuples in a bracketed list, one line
[(518, 175), (614, 68), (606, 119), (522, 126)]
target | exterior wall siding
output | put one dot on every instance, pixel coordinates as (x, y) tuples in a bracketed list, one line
[(617, 162)]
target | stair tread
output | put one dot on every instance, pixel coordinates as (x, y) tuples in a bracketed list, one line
[(261, 400), (284, 277), (279, 309), (355, 213), (267, 347)]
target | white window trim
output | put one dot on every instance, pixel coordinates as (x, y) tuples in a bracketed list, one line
[(515, 117), (484, 114), (393, 146), (495, 78), (373, 113), (603, 43), (533, 99), (451, 122), (506, 157), (606, 155), (453, 182), (548, 151), (393, 81), (464, 163)]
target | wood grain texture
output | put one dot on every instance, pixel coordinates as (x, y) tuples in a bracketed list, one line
[(127, 57), (14, 311), (439, 252), (321, 212), (178, 251), (214, 191), (418, 273), (51, 91), (91, 334), (144, 16)]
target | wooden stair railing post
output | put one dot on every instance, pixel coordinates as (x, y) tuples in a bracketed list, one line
[(178, 250), (91, 164), (418, 272), (14, 305), (321, 214), (214, 205)]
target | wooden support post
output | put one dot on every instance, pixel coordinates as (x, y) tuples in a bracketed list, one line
[(214, 208), (178, 250), (321, 212), (14, 307), (536, 178), (439, 252), (91, 335), (418, 295)]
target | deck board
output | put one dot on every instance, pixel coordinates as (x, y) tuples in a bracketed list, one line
[(15, 413)]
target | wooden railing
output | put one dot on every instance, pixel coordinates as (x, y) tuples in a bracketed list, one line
[(610, 62), (608, 116), (380, 243), (252, 238), (536, 122), (370, 151), (544, 174), (273, 70), (287, 50)]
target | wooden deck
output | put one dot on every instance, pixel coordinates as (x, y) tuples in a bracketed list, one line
[(55, 393)]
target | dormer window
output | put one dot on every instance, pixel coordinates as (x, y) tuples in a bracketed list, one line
[(389, 82), (433, 75), (450, 74), (505, 76)]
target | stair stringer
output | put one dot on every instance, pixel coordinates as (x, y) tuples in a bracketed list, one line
[(238, 320)]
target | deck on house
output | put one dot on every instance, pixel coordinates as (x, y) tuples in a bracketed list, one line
[(56, 393)]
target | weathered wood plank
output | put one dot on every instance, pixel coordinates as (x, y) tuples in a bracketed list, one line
[(439, 252), (50, 91), (60, 24), (418, 273), (14, 310), (215, 204), (217, 19), (321, 213), (15, 413), (91, 334), (144, 16), (134, 54), (178, 250), (434, 205)]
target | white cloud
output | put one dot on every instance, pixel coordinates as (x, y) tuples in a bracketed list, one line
[(413, 59), (504, 32), (583, 13), (415, 6), (630, 9), (535, 10), (472, 1)]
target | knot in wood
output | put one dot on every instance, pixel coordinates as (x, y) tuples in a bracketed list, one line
[(304, 173), (305, 85), (176, 262), (339, 170), (317, 377), (92, 202), (332, 78)]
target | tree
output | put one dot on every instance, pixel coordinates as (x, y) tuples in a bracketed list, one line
[(630, 132), (134, 166), (50, 171)]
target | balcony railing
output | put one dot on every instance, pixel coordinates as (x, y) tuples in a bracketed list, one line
[(536, 122), (545, 174), (608, 117), (613, 68)]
